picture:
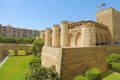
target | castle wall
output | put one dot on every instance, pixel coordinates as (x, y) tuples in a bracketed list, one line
[(105, 17), (56, 36), (64, 34), (42, 35), (116, 25), (1, 54), (88, 37), (77, 61), (110, 49), (52, 56), (48, 37), (70, 62), (103, 36)]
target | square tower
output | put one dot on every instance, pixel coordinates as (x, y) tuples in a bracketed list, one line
[(111, 18)]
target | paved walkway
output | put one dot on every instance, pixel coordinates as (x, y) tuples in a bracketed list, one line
[(2, 60)]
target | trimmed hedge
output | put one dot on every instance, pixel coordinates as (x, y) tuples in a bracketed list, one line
[(113, 61), (93, 74), (116, 66), (80, 78)]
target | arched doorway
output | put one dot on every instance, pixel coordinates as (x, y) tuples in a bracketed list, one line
[(97, 42), (101, 38), (71, 40), (78, 39)]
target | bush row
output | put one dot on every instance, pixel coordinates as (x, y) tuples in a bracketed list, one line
[(92, 74), (113, 62), (7, 39)]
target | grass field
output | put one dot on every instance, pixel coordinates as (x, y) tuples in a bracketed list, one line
[(113, 76), (15, 68)]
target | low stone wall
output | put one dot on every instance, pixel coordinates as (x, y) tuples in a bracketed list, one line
[(14, 46), (1, 54)]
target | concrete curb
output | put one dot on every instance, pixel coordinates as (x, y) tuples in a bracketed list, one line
[(2, 60)]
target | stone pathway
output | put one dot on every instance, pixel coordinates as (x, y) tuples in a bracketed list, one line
[(2, 60)]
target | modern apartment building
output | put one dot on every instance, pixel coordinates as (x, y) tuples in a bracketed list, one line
[(18, 32)]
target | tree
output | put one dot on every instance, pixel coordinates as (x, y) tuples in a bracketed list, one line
[(36, 47), (8, 39)]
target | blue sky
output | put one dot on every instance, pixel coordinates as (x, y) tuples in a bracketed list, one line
[(40, 14)]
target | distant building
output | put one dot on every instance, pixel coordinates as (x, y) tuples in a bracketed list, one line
[(18, 32)]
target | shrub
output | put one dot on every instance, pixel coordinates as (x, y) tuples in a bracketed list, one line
[(36, 47), (35, 60), (116, 66), (93, 74), (80, 78), (42, 73), (112, 58)]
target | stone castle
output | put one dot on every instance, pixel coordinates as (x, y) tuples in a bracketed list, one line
[(74, 47)]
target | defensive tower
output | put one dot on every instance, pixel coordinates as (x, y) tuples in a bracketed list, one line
[(64, 34), (88, 37), (111, 18), (42, 34), (48, 37), (56, 36)]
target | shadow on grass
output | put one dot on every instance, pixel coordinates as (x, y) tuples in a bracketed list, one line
[(105, 74)]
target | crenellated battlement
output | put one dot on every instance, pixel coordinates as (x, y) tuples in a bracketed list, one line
[(107, 10), (101, 12)]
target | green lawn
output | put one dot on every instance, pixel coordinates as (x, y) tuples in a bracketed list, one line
[(15, 68), (113, 76)]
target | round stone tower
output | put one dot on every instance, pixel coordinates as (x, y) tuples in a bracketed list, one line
[(42, 34), (48, 37), (64, 34), (88, 37), (56, 36)]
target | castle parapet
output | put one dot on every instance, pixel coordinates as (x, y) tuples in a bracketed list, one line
[(48, 38), (56, 36), (88, 37), (64, 34), (42, 34)]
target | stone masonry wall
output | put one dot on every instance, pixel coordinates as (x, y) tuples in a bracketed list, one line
[(7, 46), (52, 56), (1, 54), (77, 61), (110, 49), (73, 61)]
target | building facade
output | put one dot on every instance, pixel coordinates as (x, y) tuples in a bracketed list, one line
[(18, 32), (73, 46), (77, 34), (105, 30)]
